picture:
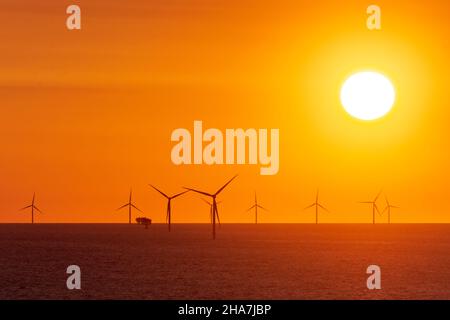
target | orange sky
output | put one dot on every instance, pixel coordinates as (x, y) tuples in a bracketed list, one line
[(87, 114)]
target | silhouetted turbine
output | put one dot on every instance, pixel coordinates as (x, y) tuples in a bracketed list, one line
[(317, 205), (215, 212), (33, 207), (211, 210), (374, 206), (256, 206), (388, 208), (129, 205), (169, 207)]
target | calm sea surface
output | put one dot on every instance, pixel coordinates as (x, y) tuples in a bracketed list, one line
[(244, 262)]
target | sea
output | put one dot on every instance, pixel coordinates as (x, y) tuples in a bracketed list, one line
[(245, 261)]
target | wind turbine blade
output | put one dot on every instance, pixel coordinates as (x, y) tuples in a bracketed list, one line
[(207, 202), (309, 206), (125, 205), (376, 208), (251, 208), (26, 207), (389, 205), (179, 194), (366, 202), (324, 208), (261, 207), (38, 209), (385, 209), (380, 213), (201, 192), (165, 195), (136, 208), (378, 195), (217, 215), (224, 186)]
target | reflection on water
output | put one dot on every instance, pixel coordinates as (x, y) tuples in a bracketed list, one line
[(245, 262)]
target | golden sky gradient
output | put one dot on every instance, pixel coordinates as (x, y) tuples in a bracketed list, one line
[(87, 114)]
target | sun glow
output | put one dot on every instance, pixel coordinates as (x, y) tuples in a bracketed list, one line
[(367, 95)]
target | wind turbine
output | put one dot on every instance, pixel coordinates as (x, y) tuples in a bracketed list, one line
[(211, 210), (317, 205), (169, 200), (256, 206), (374, 206), (388, 209), (215, 212), (129, 205), (33, 207)]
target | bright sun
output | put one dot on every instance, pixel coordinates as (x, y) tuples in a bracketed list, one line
[(367, 95)]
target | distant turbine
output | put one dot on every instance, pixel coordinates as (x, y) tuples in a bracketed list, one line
[(388, 209), (374, 206), (256, 206), (215, 212), (211, 210), (33, 207), (169, 207), (317, 205), (129, 205)]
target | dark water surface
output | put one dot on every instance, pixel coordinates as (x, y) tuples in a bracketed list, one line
[(244, 262)]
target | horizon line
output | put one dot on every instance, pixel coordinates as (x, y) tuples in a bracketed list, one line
[(249, 223)]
